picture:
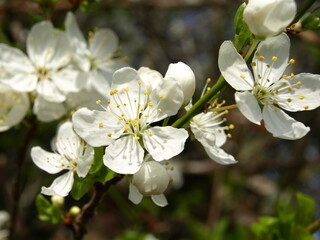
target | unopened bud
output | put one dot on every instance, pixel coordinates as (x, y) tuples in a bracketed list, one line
[(57, 200), (74, 211)]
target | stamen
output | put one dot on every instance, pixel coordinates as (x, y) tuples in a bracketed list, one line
[(274, 58), (292, 61), (101, 124), (306, 107), (301, 97), (98, 101)]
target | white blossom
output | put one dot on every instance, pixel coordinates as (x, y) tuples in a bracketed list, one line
[(70, 154), (208, 131), (13, 107), (266, 18), (125, 124), (96, 58), (44, 70), (263, 94), (152, 180)]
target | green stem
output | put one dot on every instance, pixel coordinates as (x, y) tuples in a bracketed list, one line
[(196, 108), (313, 227), (251, 49), (303, 9)]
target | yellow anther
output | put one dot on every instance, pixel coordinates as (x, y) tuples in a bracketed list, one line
[(90, 33), (298, 83), (85, 146), (137, 138), (257, 54), (172, 168), (147, 115), (243, 77), (259, 76), (289, 100), (231, 126), (159, 110), (126, 89), (301, 97), (171, 180), (161, 96), (253, 64), (226, 111), (150, 104), (122, 115), (261, 58), (284, 76), (290, 89), (140, 82), (109, 134), (126, 128), (101, 124), (145, 93), (135, 124), (150, 134), (208, 88), (120, 118), (209, 80), (118, 105), (268, 66), (292, 61), (274, 58), (166, 163), (306, 107), (98, 101), (108, 101), (291, 75), (229, 135)]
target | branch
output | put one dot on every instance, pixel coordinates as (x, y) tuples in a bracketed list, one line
[(16, 188), (313, 227), (79, 226)]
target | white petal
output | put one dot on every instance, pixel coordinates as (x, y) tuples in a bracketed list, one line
[(150, 77), (22, 82), (232, 66), (159, 200), (48, 111), (41, 42), (268, 18), (103, 43), (49, 91), (100, 81), (126, 78), (134, 195), (85, 162), (281, 125), (94, 126), (217, 154), (164, 143), (67, 141), (74, 35), (277, 46), (303, 97), (67, 80), (14, 61), (124, 155), (49, 162), (61, 186), (60, 55), (249, 106), (185, 77), (169, 97)]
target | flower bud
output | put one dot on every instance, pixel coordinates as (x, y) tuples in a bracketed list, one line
[(57, 200), (74, 211), (185, 77), (266, 18), (150, 77), (151, 179)]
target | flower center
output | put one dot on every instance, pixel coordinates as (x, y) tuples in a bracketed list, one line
[(42, 73)]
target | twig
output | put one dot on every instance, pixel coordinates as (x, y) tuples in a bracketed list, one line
[(79, 226), (314, 227), (16, 188)]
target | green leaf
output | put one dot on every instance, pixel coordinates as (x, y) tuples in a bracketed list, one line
[(305, 211), (312, 21), (238, 19), (105, 174), (97, 160), (47, 211), (81, 186), (44, 208), (242, 34)]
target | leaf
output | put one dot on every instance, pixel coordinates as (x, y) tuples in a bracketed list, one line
[(312, 21), (305, 211), (81, 186), (105, 174), (44, 208), (242, 34), (97, 160)]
